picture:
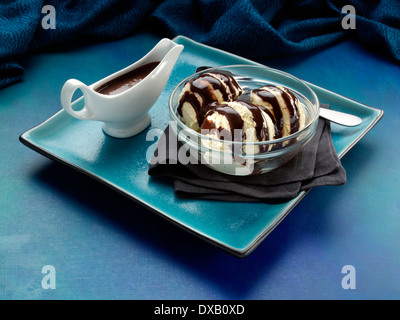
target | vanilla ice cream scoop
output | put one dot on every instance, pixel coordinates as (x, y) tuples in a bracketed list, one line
[(238, 121), (201, 93), (288, 114)]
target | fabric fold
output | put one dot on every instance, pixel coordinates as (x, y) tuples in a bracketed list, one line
[(282, 27)]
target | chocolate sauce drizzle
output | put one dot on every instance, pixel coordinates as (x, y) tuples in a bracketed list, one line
[(289, 100), (205, 85), (260, 128), (234, 119)]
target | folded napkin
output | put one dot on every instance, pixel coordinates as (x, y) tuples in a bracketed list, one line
[(317, 164)]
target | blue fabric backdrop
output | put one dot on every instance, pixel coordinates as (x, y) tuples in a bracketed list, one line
[(255, 29)]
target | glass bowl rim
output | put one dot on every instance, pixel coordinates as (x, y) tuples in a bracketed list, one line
[(257, 143)]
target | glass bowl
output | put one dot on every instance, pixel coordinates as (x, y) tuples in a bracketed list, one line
[(231, 158)]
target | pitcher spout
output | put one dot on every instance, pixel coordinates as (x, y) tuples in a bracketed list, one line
[(167, 52)]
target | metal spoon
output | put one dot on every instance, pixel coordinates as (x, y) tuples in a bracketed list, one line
[(344, 119)]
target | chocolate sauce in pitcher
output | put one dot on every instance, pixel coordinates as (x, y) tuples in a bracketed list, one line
[(127, 80)]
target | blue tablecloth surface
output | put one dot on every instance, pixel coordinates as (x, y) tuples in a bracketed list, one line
[(104, 246)]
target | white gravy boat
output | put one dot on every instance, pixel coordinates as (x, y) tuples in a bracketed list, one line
[(124, 114)]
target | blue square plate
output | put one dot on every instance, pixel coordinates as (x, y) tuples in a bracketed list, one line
[(122, 163)]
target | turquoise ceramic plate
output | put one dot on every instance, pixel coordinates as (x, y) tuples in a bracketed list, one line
[(122, 163)]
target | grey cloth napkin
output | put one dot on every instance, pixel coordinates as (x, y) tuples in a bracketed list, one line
[(317, 164)]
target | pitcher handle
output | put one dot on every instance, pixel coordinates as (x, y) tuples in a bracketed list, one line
[(68, 91)]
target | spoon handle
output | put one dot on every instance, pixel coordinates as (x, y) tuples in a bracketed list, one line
[(338, 117)]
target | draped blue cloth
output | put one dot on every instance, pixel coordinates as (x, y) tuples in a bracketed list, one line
[(255, 29)]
